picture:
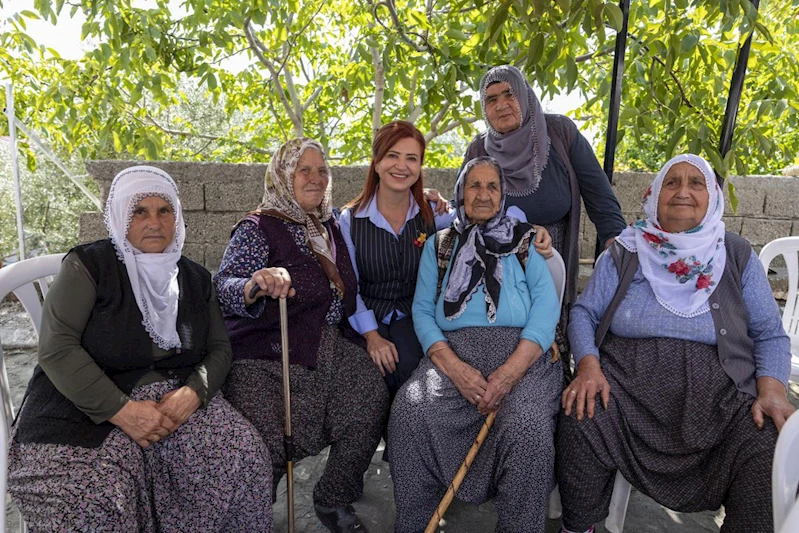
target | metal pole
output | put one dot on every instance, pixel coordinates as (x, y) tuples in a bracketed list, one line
[(615, 100), (734, 98), (12, 133)]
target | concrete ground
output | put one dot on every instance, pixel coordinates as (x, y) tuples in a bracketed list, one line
[(376, 507)]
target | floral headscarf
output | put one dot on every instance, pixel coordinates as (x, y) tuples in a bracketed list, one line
[(279, 200), (522, 153), (153, 277), (480, 247), (682, 268)]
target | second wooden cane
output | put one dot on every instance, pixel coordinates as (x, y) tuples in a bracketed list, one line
[(288, 440)]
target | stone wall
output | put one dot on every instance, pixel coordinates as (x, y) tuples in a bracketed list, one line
[(216, 195)]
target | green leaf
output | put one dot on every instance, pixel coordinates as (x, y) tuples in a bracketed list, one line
[(614, 16), (688, 43), (536, 50), (733, 196), (117, 141), (673, 141)]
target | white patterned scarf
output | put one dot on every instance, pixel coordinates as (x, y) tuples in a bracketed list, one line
[(682, 268), (524, 152), (153, 276)]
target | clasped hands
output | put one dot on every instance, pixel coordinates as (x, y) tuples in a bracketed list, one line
[(147, 422)]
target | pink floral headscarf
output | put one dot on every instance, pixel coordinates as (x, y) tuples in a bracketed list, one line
[(683, 268)]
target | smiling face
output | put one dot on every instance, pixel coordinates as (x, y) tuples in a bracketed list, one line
[(683, 199), (152, 227), (482, 194), (310, 180), (401, 166), (502, 108)]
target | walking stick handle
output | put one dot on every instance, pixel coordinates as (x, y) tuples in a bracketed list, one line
[(467, 463), (288, 440)]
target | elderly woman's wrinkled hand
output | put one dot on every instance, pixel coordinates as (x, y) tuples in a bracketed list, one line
[(543, 241), (383, 352), (274, 282), (469, 382), (179, 404), (500, 383), (772, 401), (432, 195), (143, 422), (583, 389)]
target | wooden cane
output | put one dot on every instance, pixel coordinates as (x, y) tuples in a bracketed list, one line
[(288, 440), (467, 463)]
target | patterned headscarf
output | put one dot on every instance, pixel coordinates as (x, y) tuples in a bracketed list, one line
[(480, 247), (279, 200), (683, 268), (153, 277), (522, 153)]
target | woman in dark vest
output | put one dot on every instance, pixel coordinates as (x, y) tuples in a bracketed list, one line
[(680, 338), (385, 228), (549, 166), (291, 246), (121, 428)]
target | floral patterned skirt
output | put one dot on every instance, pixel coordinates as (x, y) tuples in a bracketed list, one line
[(212, 474)]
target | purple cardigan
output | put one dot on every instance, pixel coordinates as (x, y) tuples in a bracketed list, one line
[(259, 338)]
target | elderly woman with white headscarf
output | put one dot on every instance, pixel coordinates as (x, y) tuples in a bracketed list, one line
[(549, 167), (291, 246), (121, 428), (484, 310), (682, 365)]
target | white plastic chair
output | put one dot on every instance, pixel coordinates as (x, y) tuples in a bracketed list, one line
[(20, 278), (785, 478), (788, 247)]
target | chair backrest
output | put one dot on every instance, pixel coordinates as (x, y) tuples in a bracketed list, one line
[(785, 475), (21, 279), (788, 247), (558, 270)]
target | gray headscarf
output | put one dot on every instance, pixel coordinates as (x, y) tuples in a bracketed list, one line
[(522, 153), (480, 248)]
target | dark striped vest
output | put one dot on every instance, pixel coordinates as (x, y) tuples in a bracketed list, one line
[(387, 266)]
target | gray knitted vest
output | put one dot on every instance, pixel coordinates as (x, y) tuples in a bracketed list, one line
[(727, 308)]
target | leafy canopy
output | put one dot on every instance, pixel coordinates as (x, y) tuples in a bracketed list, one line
[(157, 83)]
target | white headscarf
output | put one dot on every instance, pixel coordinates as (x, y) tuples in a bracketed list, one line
[(683, 268), (153, 277)]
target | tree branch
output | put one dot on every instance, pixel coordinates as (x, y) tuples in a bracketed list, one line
[(447, 128), (180, 133), (392, 10), (260, 51)]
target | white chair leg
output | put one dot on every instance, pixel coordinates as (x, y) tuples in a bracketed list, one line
[(554, 509), (614, 523)]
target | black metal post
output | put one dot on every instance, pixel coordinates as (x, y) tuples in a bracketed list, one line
[(615, 100), (734, 98)]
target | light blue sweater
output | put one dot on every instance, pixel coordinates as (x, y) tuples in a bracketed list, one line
[(640, 316), (527, 300)]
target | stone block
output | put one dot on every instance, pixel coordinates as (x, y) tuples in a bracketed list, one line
[(213, 256), (91, 228), (751, 197), (733, 224), (192, 195), (219, 226), (196, 223), (237, 196), (760, 231), (195, 252), (782, 200), (629, 188)]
